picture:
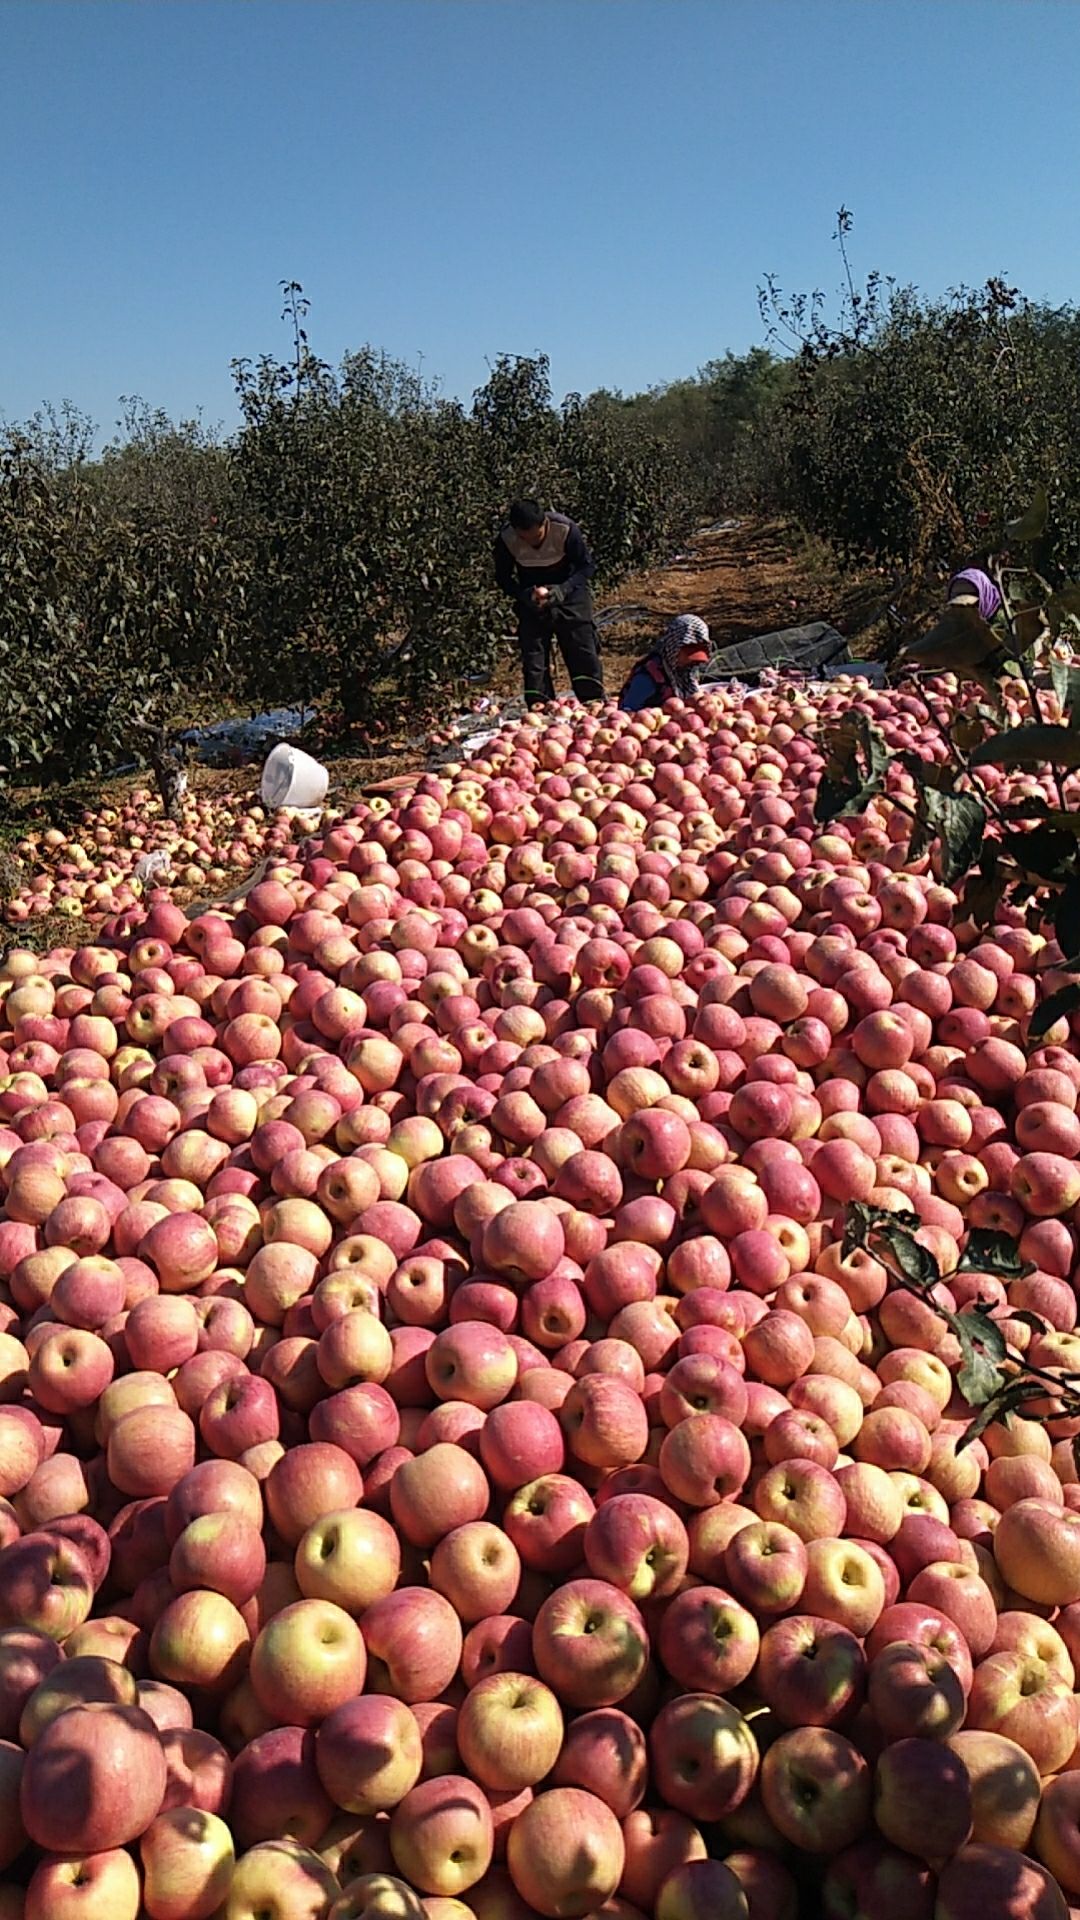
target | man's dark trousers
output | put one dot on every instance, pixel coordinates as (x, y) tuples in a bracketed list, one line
[(575, 633)]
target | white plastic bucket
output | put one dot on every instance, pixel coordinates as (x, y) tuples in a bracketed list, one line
[(291, 778)]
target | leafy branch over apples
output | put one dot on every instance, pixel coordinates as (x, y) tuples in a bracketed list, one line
[(992, 1378)]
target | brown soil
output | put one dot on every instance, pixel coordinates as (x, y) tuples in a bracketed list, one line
[(756, 578)]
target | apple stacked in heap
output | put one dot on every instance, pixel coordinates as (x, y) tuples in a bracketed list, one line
[(89, 870), (448, 1465)]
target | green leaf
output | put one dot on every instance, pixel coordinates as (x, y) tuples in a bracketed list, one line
[(1065, 680), (983, 1350), (987, 1251), (1062, 606), (1030, 746), (1067, 917), (985, 889), (861, 1222), (960, 639), (1008, 1399), (1042, 851), (1032, 524), (1054, 1008), (856, 769), (959, 820)]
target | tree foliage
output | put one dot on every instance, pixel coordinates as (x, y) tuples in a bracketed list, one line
[(336, 548)]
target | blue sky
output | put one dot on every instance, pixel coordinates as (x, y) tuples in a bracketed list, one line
[(604, 179)]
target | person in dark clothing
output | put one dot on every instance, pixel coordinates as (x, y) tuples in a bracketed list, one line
[(543, 564), (671, 669)]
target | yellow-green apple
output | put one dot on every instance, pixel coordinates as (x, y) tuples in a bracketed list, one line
[(509, 1731), (379, 1896), (704, 1756), (276, 1790), (307, 1482), (363, 1421), (213, 1486), (279, 1880), (816, 1789), (220, 1551), (874, 1506), (1037, 1549), (657, 1840), (765, 1566), (441, 1835), (520, 1441), (1028, 1701), (46, 1585), (353, 1349), (708, 1643), (200, 1640), (873, 1881), (307, 1660), (149, 1450), (473, 1361), (1005, 1787), (478, 1569), (22, 1448), (705, 1460), (103, 1885), (566, 1853), (436, 1492), (357, 1844), (368, 1753), (923, 1799), (914, 1690), (769, 1887), (843, 1583), (12, 1830), (161, 1332), (85, 1679), (414, 1640), (546, 1520), (961, 1595), (981, 1879), (69, 1369), (1057, 1830), (26, 1659), (187, 1860), (605, 1422), (639, 1545), (437, 1721), (605, 1752), (198, 1770), (351, 1556), (710, 1531), (590, 1644), (93, 1780), (803, 1496), (924, 1627), (239, 1412), (810, 1672), (702, 1890), (1020, 1632)]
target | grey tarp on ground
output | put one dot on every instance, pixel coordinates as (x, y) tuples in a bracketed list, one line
[(816, 650)]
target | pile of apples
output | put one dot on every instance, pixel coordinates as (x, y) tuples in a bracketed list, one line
[(449, 1466), (88, 871)]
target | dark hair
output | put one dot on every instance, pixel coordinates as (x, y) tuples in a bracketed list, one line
[(527, 514)]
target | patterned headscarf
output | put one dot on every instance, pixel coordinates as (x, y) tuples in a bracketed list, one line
[(688, 630)]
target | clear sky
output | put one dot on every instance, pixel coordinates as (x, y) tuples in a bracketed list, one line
[(603, 179)]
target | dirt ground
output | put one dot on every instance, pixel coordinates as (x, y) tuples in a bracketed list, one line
[(756, 578)]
